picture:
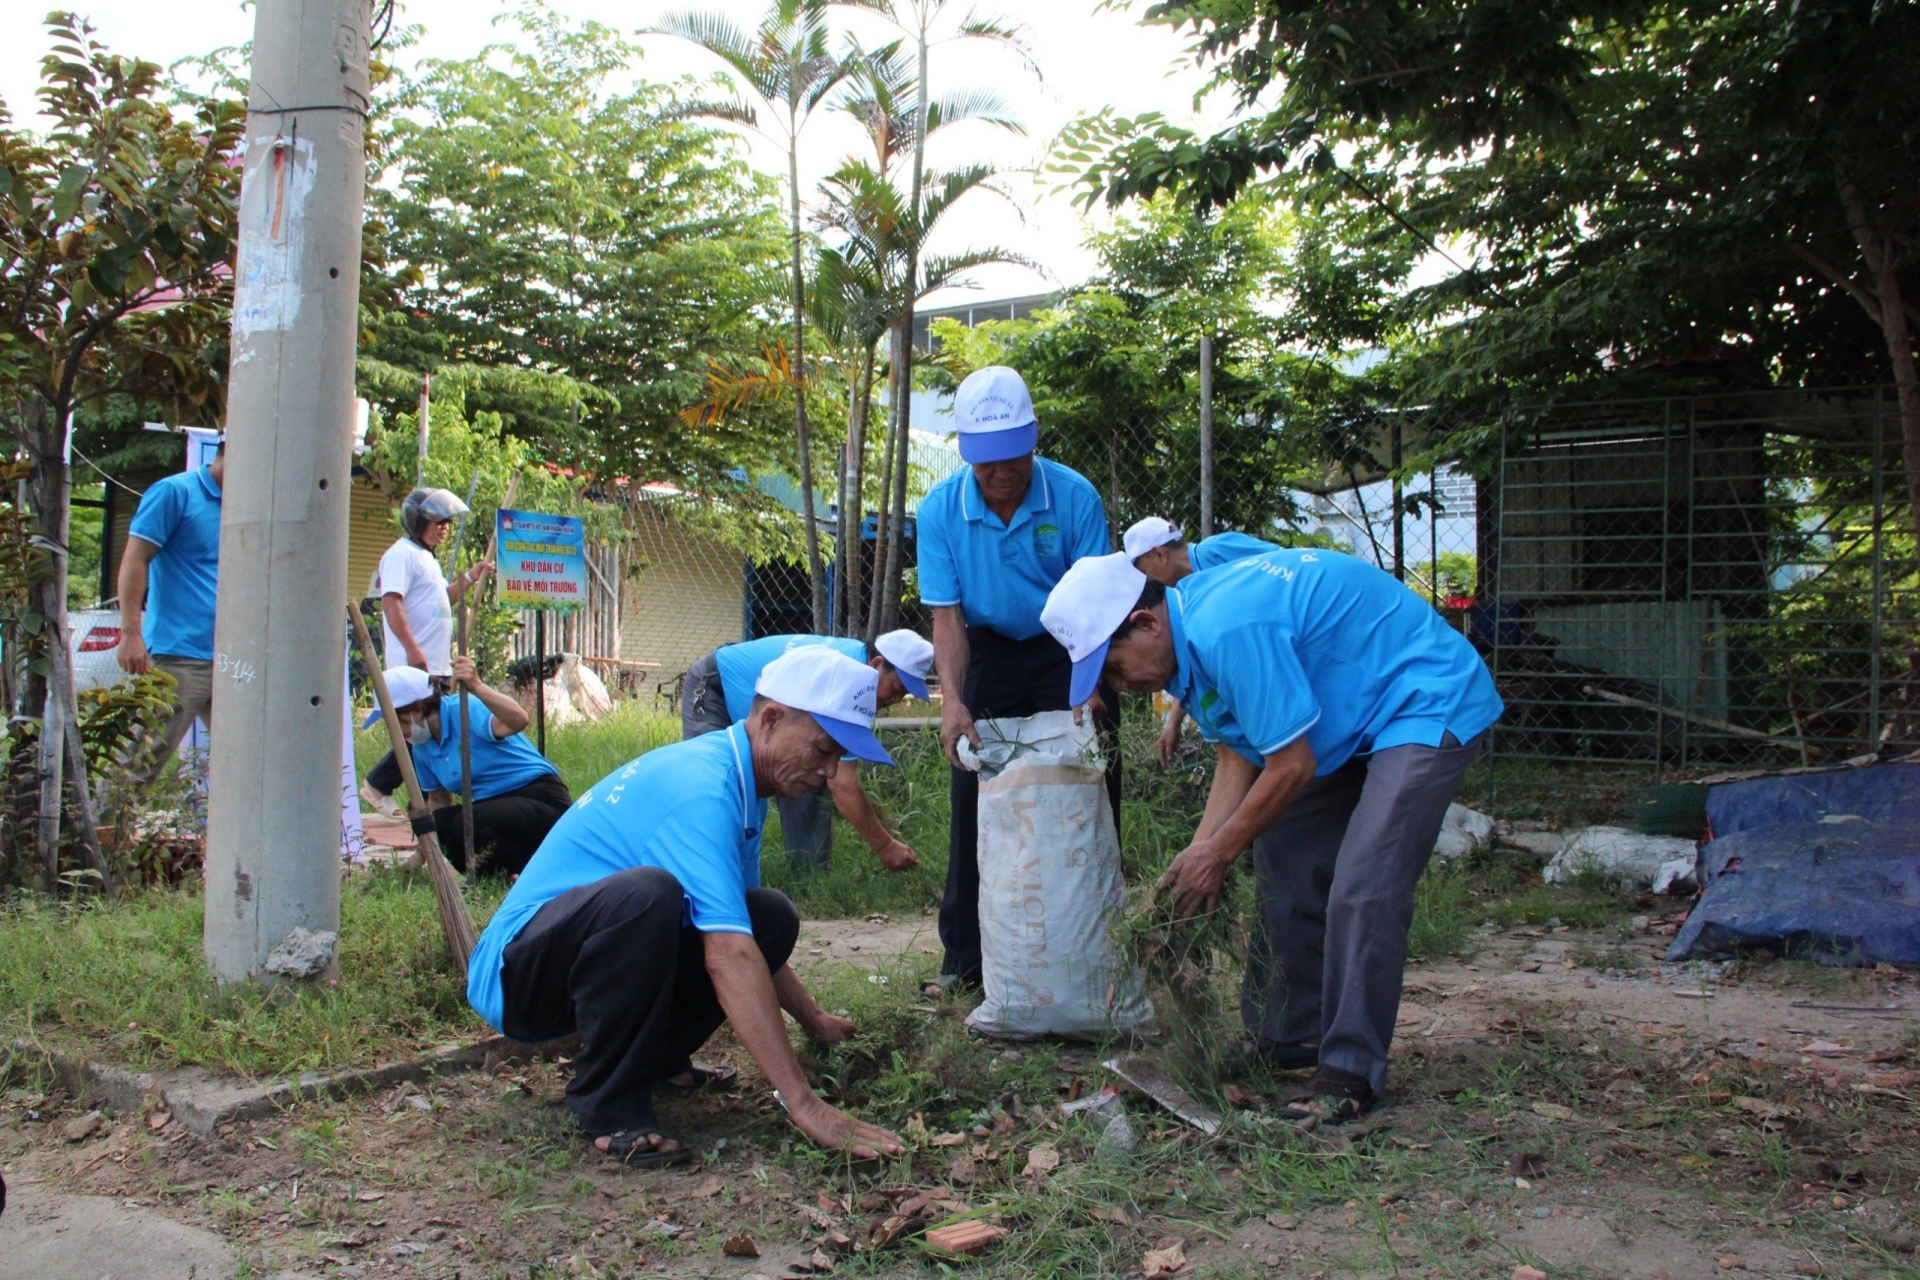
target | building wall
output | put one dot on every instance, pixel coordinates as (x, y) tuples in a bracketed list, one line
[(685, 595), (372, 525)]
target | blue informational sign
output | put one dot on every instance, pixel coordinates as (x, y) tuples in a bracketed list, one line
[(542, 560)]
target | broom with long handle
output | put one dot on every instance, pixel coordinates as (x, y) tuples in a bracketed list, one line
[(455, 921), (466, 762)]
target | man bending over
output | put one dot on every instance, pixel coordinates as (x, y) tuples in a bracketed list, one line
[(641, 925)]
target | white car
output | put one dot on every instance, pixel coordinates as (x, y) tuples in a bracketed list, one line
[(92, 647)]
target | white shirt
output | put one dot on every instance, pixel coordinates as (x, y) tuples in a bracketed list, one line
[(413, 572)]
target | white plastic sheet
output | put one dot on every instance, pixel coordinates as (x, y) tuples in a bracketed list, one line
[(1050, 884), (1660, 863)]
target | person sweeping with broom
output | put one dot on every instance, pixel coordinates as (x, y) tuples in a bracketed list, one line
[(1346, 712)]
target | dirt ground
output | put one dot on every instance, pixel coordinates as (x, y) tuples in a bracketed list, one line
[(1565, 1101)]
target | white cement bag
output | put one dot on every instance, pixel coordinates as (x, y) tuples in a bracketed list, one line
[(1464, 832), (1659, 863), (1050, 884)]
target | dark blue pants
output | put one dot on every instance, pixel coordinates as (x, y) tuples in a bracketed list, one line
[(1004, 678)]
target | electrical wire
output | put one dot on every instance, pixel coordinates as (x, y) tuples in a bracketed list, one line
[(384, 21)]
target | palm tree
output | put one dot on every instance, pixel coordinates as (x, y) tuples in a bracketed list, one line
[(880, 235), (787, 68), (868, 287), (918, 20)]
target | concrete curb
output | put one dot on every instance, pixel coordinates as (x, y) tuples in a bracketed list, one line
[(200, 1099)]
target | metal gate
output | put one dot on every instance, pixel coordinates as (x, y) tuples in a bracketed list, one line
[(1678, 587)]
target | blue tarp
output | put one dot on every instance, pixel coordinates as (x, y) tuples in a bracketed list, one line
[(1823, 865)]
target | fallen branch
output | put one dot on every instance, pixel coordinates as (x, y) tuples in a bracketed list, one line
[(1707, 722)]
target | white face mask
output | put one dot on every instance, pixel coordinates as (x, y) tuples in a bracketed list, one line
[(418, 734)]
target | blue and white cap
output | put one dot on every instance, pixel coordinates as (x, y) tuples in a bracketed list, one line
[(839, 693), (995, 416), (406, 686), (1144, 535), (1085, 608), (912, 657)]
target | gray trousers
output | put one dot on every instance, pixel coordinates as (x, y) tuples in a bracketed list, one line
[(806, 822), (192, 699), (1334, 879)]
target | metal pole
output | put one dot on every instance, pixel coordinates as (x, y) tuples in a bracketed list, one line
[(466, 759), (425, 429), (273, 816), (1399, 510), (1206, 435), (1879, 567), (540, 675)]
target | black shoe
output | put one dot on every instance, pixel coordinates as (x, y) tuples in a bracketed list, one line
[(1288, 1057)]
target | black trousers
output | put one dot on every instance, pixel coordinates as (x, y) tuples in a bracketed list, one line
[(507, 828), (1004, 678), (613, 961)]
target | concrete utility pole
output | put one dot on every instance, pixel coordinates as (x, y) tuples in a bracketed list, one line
[(1206, 435), (273, 820)]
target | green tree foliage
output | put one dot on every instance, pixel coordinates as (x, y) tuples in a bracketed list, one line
[(1114, 369), (1624, 191), (115, 231), (588, 238)]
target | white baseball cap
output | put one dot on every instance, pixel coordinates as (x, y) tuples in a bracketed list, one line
[(406, 686), (839, 693), (995, 416), (1086, 607), (912, 657), (1144, 535)]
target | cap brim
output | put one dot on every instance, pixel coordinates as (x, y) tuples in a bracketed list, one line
[(857, 740), (372, 719), (1086, 675), (998, 446), (913, 684)]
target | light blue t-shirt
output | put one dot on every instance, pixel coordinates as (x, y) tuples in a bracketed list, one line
[(500, 765), (181, 516), (1225, 548), (1000, 573), (687, 808), (1319, 643), (741, 664)]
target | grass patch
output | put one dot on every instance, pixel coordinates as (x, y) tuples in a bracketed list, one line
[(129, 980)]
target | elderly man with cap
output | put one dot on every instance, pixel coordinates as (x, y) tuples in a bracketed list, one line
[(1346, 713), (640, 923), (994, 537), (416, 607), (1157, 550), (517, 793), (718, 692)]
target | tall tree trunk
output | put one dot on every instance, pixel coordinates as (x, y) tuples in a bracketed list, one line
[(61, 759), (903, 341), (816, 577), (884, 533), (854, 508), (902, 451)]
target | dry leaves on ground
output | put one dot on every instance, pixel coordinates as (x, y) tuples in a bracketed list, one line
[(1168, 1257)]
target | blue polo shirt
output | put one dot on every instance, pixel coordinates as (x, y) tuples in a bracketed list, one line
[(741, 664), (1000, 572), (181, 516), (500, 765), (1321, 644), (1225, 548), (688, 808)]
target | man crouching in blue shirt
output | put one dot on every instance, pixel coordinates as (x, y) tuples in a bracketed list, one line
[(641, 923)]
